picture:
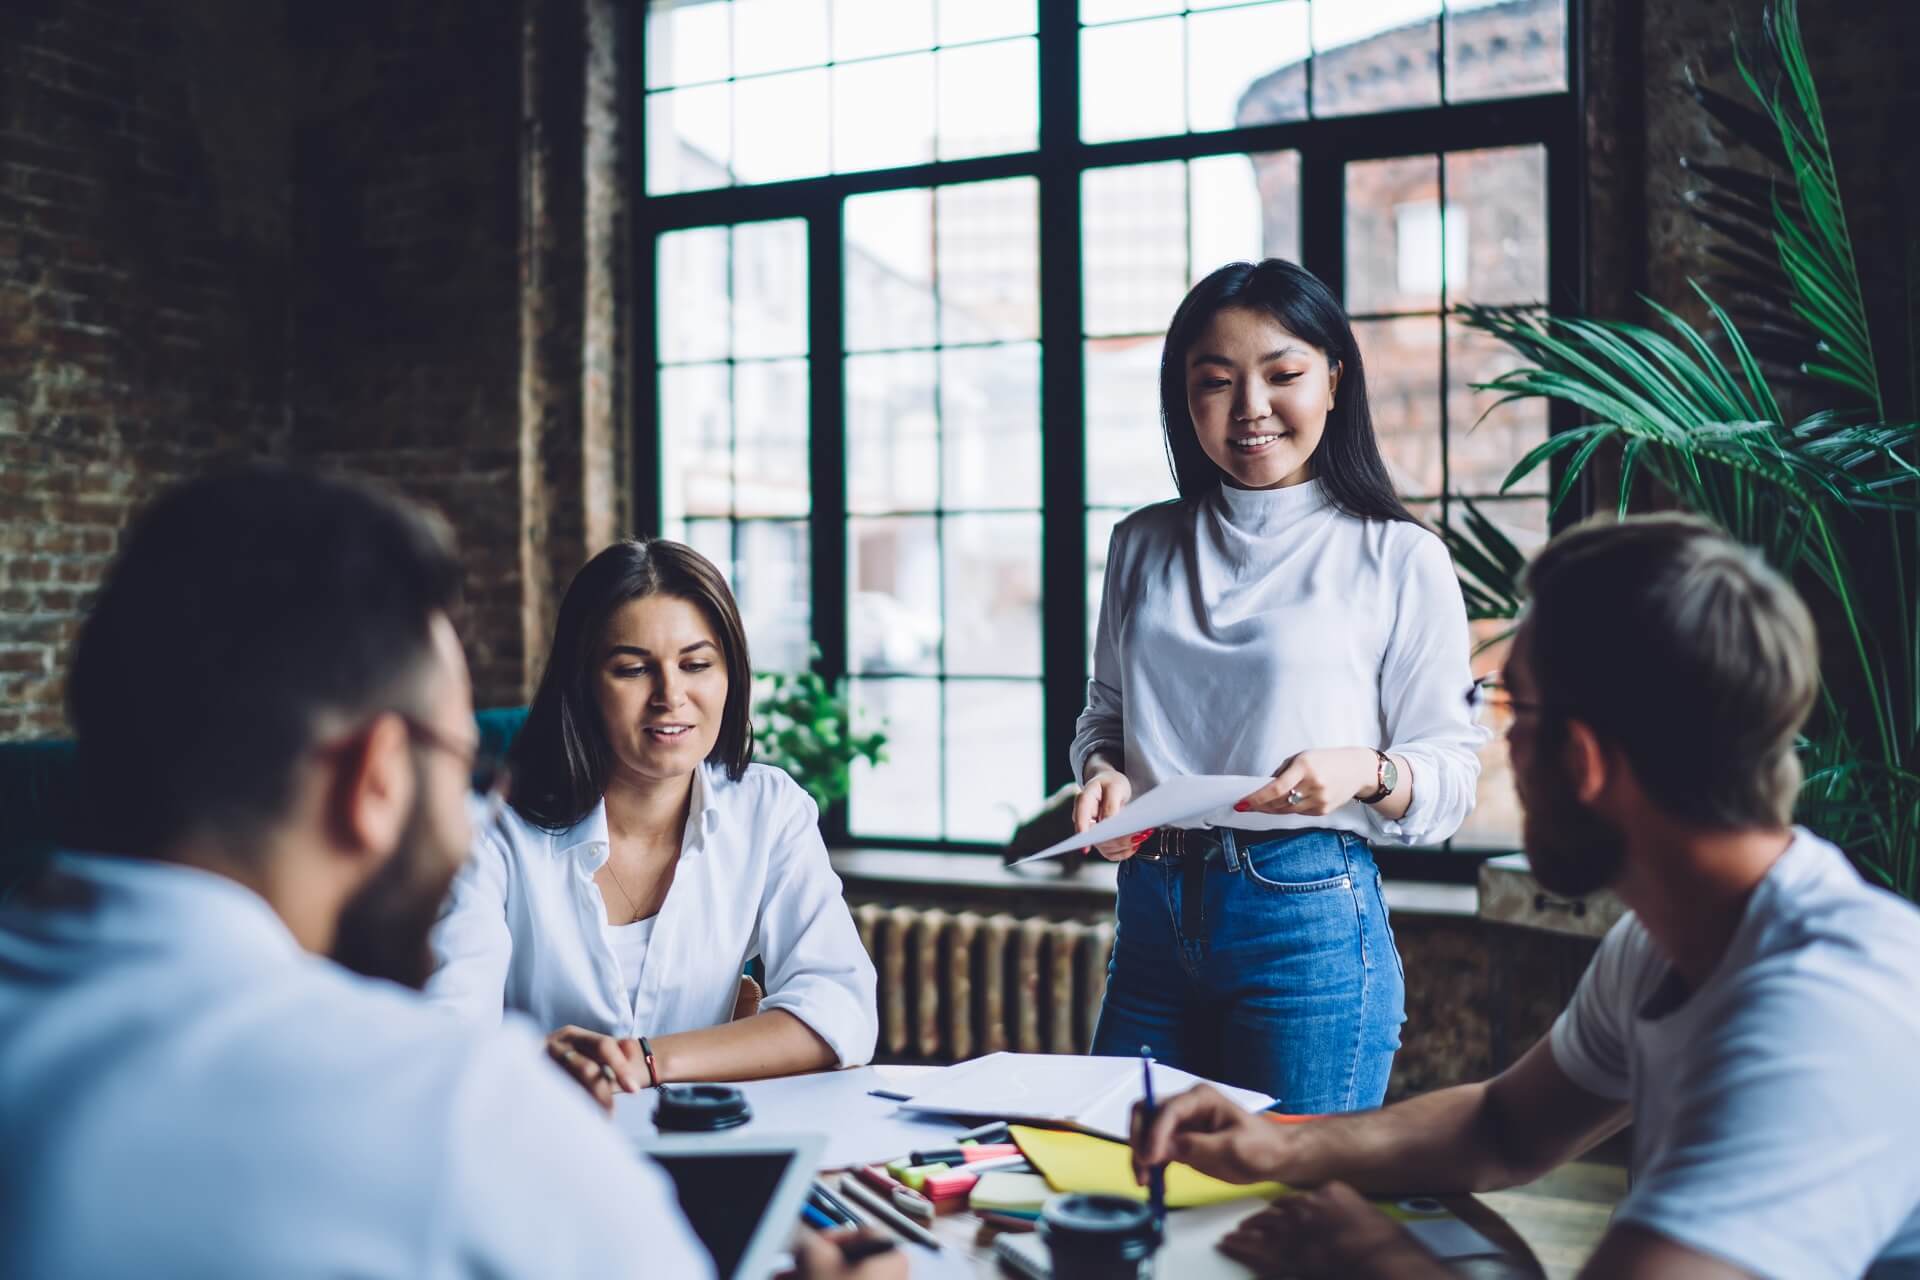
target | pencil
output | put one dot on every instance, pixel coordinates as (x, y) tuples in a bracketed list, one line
[(886, 1213)]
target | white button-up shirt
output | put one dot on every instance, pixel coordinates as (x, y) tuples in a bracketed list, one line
[(185, 1092), (525, 926)]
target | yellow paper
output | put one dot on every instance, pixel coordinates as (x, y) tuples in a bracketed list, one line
[(1081, 1162)]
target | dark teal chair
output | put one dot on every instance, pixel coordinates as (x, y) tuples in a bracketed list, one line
[(37, 793)]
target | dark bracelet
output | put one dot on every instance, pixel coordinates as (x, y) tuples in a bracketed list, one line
[(653, 1069)]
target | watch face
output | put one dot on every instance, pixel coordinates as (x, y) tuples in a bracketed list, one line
[(1389, 775)]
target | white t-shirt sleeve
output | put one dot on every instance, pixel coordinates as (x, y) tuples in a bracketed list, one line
[(472, 945), (1424, 675), (1790, 1154), (817, 970), (1589, 1038), (541, 1184)]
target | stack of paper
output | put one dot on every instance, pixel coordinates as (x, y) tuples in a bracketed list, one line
[(1093, 1095)]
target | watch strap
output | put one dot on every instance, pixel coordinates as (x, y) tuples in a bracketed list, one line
[(1382, 788)]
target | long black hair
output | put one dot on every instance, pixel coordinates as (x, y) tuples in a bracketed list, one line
[(561, 757), (1347, 462)]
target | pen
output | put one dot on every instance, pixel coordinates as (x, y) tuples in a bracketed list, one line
[(835, 1206), (889, 1095), (826, 1208), (886, 1213), (1157, 1175), (995, 1132), (817, 1219)]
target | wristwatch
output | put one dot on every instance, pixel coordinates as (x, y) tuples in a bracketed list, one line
[(1388, 776)]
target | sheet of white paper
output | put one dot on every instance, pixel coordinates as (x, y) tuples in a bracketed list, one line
[(859, 1128), (1174, 801), (1097, 1094)]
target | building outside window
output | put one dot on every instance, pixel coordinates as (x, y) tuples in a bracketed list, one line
[(911, 267)]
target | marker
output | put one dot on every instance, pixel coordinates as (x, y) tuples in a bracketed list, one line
[(1157, 1175), (914, 1205), (886, 1213), (817, 1219), (964, 1155)]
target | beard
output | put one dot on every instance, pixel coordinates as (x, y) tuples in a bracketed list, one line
[(1571, 848), (384, 927)]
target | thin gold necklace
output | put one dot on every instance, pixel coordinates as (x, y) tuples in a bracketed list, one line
[(633, 908)]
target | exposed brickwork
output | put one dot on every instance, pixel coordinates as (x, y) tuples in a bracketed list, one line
[(144, 212)]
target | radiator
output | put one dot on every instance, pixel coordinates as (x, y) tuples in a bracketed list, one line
[(957, 984)]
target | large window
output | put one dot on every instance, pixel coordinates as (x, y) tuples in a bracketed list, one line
[(912, 265)]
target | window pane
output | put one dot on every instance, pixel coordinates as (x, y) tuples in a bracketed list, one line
[(775, 35), (1231, 53), (1133, 247), (1482, 452), (1393, 249), (894, 605), (994, 773), (883, 113), (990, 424), (1278, 176), (1402, 360), (1126, 447), (889, 284), (694, 307), (1374, 56), (781, 127), (1497, 225), (989, 99), (688, 42), (770, 473), (714, 540), (1502, 48), (689, 139), (769, 288), (985, 20), (1225, 222), (1092, 11), (773, 581), (989, 260), (863, 28), (893, 447), (696, 431), (992, 594), (897, 798), (1130, 80)]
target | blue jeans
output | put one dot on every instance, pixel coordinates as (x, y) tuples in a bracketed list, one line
[(1268, 965)]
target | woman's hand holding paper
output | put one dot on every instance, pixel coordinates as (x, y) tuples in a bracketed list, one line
[(1316, 782), (1106, 791)]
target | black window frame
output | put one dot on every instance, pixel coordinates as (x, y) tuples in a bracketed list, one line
[(1553, 121)]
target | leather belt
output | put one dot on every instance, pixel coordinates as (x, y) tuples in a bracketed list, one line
[(1175, 844)]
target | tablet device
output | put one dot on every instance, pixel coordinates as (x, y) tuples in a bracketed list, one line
[(741, 1195)]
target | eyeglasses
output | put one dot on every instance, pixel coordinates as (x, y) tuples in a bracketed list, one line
[(1491, 692), (486, 770)]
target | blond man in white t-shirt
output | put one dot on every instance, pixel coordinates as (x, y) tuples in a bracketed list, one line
[(1755, 1017)]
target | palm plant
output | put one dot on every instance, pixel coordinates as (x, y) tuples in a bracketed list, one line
[(1830, 499)]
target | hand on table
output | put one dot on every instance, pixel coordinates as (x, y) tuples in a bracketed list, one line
[(1323, 779), (1217, 1136), (1106, 791), (1331, 1231), (817, 1256), (587, 1055)]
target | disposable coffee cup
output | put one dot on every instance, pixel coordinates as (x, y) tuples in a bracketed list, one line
[(1094, 1237), (700, 1108)]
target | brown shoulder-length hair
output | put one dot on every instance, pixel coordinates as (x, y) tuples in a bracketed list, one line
[(561, 756)]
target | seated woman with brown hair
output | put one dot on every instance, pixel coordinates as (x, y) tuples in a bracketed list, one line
[(644, 860)]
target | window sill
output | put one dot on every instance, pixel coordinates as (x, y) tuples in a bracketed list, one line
[(876, 872)]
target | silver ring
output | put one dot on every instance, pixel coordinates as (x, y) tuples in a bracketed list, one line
[(1294, 796), (570, 1055)]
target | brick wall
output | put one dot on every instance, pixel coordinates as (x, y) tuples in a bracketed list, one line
[(144, 213), (406, 342)]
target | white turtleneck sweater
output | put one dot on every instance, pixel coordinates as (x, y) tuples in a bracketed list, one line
[(1266, 622)]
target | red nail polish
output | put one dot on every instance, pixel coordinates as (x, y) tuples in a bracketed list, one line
[(1241, 807)]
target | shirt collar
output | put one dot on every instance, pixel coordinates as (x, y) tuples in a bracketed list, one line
[(591, 830)]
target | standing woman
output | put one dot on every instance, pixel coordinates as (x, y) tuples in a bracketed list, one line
[(644, 860), (1285, 616)]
